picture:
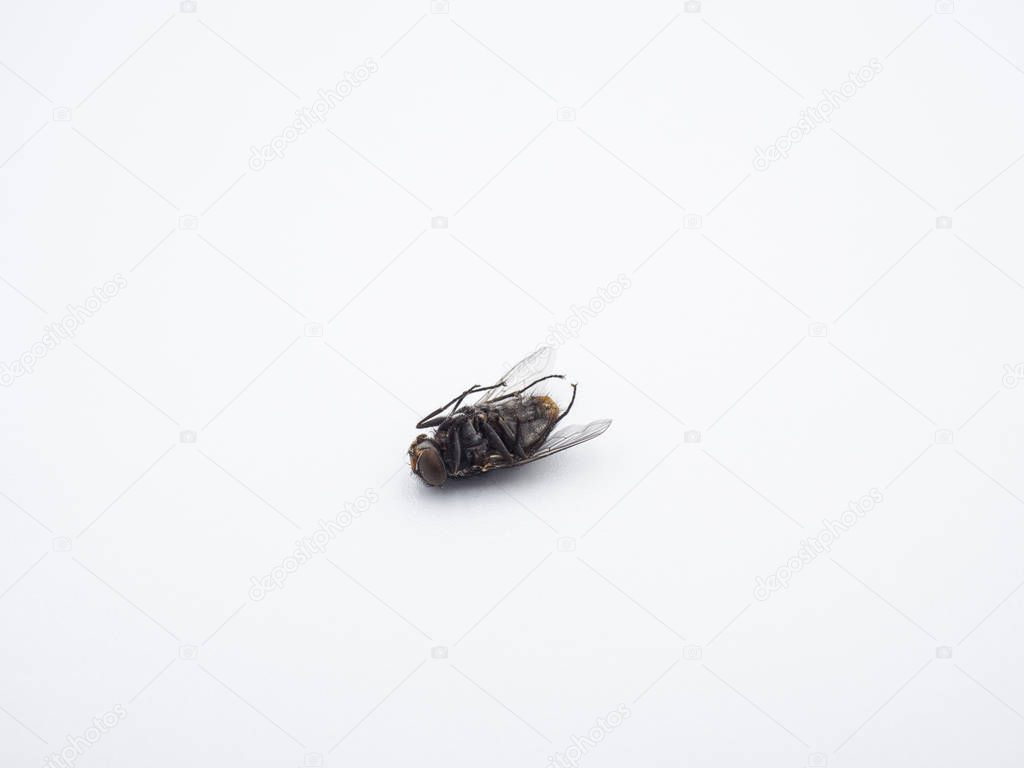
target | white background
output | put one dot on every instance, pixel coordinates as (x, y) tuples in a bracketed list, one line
[(810, 321)]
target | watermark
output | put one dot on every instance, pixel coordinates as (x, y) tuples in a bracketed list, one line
[(307, 117), (570, 328), (810, 118), (571, 756), (78, 745), (1013, 374), (65, 328), (561, 332), (308, 547), (539, 360), (810, 549)]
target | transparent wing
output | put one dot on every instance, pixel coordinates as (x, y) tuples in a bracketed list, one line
[(568, 437), (535, 365)]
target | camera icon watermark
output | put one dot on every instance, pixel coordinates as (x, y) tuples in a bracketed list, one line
[(692, 221), (62, 115), (313, 760), (944, 222), (314, 330), (566, 114), (187, 436), (944, 6), (62, 544), (691, 6), (188, 6), (188, 222), (693, 653), (440, 6), (439, 652), (566, 544), (188, 652), (817, 760), (439, 222), (1012, 374), (691, 436), (944, 437), (817, 331), (943, 652)]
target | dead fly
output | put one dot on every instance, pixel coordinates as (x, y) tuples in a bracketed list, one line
[(512, 423)]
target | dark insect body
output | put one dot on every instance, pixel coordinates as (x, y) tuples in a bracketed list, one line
[(511, 424)]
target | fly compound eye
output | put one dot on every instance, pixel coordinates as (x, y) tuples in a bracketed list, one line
[(428, 464)]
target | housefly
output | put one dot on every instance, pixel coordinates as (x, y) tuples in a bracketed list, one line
[(511, 423)]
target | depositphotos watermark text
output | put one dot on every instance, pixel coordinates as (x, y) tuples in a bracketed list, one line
[(78, 745), (572, 755), (308, 547), (305, 118), (815, 546), (810, 118), (65, 328)]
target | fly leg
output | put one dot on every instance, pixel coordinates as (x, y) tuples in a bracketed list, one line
[(506, 430), (538, 381), (511, 437), (519, 449), (494, 440), (567, 408), (474, 442), (507, 395), (454, 450), (429, 420)]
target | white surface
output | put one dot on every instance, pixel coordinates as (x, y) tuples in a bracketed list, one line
[(717, 333)]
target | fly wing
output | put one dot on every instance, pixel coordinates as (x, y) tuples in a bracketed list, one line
[(568, 437), (535, 365)]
